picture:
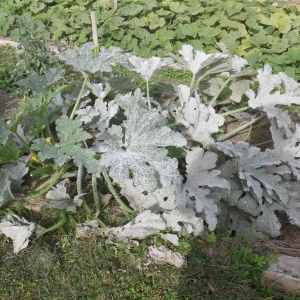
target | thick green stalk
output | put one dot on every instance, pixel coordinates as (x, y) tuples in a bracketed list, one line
[(192, 81), (95, 192), (48, 128), (124, 207), (239, 129), (231, 112), (79, 98), (148, 94), (79, 190), (64, 218), (214, 99)]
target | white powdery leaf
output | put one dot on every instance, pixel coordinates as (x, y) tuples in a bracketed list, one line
[(99, 115), (100, 91), (268, 222), (204, 205), (196, 60), (146, 67), (145, 224), (292, 208), (129, 100), (184, 221), (18, 229), (286, 147), (160, 200), (201, 120), (162, 255), (237, 63), (17, 170), (281, 117), (200, 174), (200, 165), (86, 62), (5, 192), (62, 198), (265, 95), (142, 152), (251, 170)]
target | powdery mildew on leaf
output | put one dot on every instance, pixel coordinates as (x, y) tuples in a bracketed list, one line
[(99, 115), (265, 95), (146, 67), (201, 120), (62, 198), (200, 174), (84, 61), (286, 146), (18, 229), (197, 60), (160, 200), (251, 163), (4, 132), (70, 135), (141, 151), (5, 192)]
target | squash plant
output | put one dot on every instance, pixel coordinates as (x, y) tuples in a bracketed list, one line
[(167, 164)]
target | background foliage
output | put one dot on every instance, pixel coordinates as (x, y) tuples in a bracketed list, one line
[(259, 31)]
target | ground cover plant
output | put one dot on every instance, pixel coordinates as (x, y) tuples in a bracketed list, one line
[(259, 31)]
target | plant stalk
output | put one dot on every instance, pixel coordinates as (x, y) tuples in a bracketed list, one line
[(95, 192), (148, 94), (64, 218), (239, 129), (124, 207), (227, 113), (214, 99), (79, 98)]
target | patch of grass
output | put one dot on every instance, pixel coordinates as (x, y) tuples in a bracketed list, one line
[(60, 267), (8, 60)]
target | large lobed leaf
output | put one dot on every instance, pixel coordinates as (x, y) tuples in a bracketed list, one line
[(86, 62), (141, 151), (70, 136)]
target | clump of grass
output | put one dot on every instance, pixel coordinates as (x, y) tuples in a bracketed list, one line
[(8, 60)]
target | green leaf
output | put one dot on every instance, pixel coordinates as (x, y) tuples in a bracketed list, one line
[(142, 153), (281, 21), (293, 54), (9, 152), (4, 132), (136, 22), (155, 21), (189, 29), (178, 7), (38, 85), (130, 10), (232, 7), (70, 135)]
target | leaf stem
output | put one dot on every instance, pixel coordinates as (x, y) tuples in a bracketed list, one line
[(239, 129), (148, 94), (192, 81), (64, 218), (214, 99), (79, 97), (227, 113), (124, 207), (95, 192)]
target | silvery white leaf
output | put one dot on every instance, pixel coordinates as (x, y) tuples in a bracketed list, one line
[(84, 61), (146, 67), (18, 229), (267, 82)]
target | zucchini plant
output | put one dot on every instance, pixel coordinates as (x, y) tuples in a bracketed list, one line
[(166, 163)]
